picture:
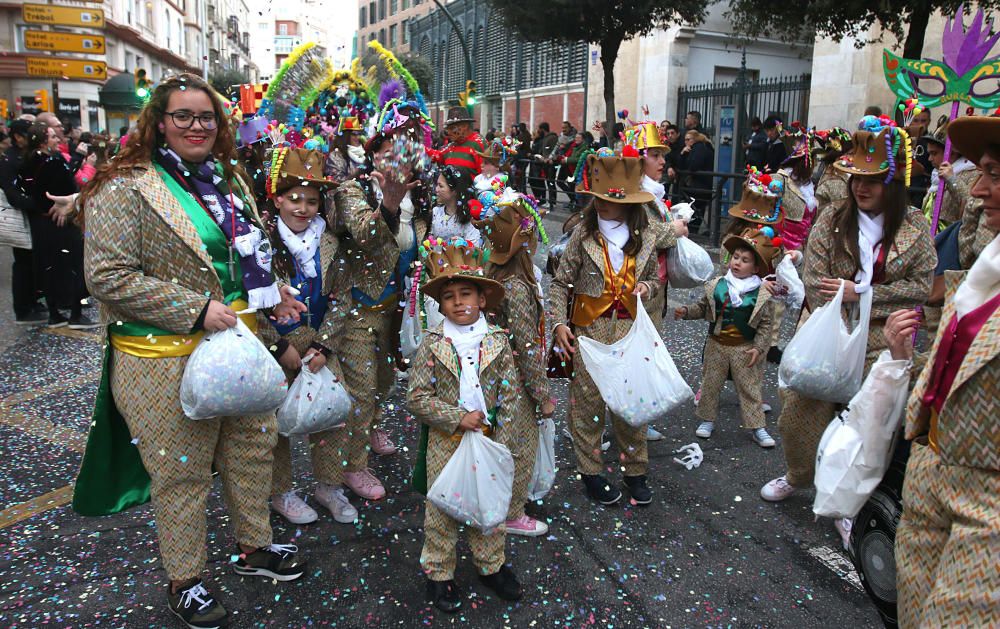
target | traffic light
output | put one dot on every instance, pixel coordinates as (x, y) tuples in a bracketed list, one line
[(42, 100), (471, 96), (142, 85), (3, 109), (463, 99)]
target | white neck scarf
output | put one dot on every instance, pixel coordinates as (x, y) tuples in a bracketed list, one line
[(357, 154), (466, 339), (739, 287), (982, 282), (960, 166), (303, 245), (616, 236), (808, 191), (659, 192), (870, 232)]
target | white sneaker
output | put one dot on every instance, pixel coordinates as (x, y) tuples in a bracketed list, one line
[(653, 434), (705, 429), (844, 527), (293, 508), (766, 407), (777, 490), (763, 439), (336, 502)]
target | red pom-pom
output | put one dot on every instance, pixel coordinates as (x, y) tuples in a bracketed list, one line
[(765, 179), (475, 208), (668, 203), (629, 151), (776, 241)]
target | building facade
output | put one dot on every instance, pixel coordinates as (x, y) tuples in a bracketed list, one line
[(277, 33), (517, 81), (389, 21), (228, 38)]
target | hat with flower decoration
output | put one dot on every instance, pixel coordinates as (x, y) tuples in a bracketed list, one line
[(761, 198), (879, 147), (457, 259)]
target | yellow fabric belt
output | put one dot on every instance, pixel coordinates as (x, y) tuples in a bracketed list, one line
[(932, 435), (172, 345)]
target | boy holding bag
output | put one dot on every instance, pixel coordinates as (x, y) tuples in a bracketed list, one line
[(462, 379)]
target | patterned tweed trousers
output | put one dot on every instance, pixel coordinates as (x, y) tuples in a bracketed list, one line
[(179, 454), (720, 360), (366, 358), (948, 544), (803, 420), (522, 439), (587, 411), (441, 532), (327, 449)]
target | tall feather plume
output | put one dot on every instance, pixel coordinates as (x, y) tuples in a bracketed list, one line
[(391, 89)]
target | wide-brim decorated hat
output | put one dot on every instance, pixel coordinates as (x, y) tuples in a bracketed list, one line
[(761, 199), (765, 244), (614, 179), (514, 227), (830, 142), (972, 135), (499, 150), (292, 167), (797, 145), (456, 259), (878, 150), (457, 115), (645, 135)]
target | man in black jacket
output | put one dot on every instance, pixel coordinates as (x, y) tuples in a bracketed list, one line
[(776, 151), (27, 310), (542, 170)]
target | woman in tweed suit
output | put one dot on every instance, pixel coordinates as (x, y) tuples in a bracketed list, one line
[(875, 242), (946, 543), (165, 271)]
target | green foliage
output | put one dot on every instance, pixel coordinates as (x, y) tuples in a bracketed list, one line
[(224, 80), (418, 66)]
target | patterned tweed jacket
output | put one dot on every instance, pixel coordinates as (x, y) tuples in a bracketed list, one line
[(973, 235), (909, 265), (581, 269), (143, 258), (521, 314), (761, 319), (831, 188), (969, 424), (956, 196), (793, 204), (434, 381)]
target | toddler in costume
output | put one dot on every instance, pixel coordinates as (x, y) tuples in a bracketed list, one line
[(742, 316), (462, 379)]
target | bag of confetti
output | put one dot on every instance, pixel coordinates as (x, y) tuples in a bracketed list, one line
[(857, 447), (475, 486), (790, 287), (636, 376), (825, 360), (688, 264), (231, 374), (543, 476), (410, 333), (315, 402)]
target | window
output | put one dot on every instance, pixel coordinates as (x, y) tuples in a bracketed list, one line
[(381, 10), (406, 4), (406, 31), (282, 29), (393, 7), (392, 36), (149, 14), (261, 26), (381, 36), (363, 17), (371, 13), (169, 29)]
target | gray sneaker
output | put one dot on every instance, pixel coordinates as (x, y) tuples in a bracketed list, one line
[(705, 429), (763, 439), (653, 434)]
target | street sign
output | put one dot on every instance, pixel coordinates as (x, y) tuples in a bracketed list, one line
[(64, 42), (64, 16), (63, 67)]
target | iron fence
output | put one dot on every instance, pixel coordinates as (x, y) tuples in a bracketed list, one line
[(785, 97)]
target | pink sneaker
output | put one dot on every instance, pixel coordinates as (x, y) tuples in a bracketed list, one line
[(380, 442), (777, 490), (364, 484), (527, 526), (844, 527)]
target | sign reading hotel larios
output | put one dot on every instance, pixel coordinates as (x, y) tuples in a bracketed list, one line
[(62, 16), (53, 41)]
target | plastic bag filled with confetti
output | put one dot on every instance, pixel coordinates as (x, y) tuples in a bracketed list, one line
[(543, 475), (636, 376), (475, 486), (688, 264), (315, 402), (231, 374), (857, 447), (825, 360), (788, 284), (410, 333)]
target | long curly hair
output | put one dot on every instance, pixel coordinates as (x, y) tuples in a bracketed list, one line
[(146, 137)]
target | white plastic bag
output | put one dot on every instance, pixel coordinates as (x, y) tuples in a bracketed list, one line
[(432, 310), (410, 333), (789, 285), (857, 447), (543, 476), (231, 374), (315, 402), (476, 483), (825, 361), (688, 264), (636, 376)]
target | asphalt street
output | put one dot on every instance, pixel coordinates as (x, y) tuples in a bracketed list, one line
[(707, 553)]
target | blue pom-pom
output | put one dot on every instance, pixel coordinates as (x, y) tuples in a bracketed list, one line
[(767, 231), (776, 187)]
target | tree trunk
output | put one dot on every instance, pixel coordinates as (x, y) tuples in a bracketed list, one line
[(610, 46), (913, 47)]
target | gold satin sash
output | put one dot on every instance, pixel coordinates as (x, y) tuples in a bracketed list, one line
[(172, 345)]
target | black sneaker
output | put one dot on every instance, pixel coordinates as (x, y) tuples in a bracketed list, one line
[(81, 322), (503, 583), (444, 595), (277, 561), (57, 321), (32, 318), (196, 607), (636, 486), (774, 355), (600, 490)]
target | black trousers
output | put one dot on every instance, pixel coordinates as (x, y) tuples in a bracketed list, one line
[(22, 285)]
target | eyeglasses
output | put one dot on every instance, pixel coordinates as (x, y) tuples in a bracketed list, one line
[(185, 119)]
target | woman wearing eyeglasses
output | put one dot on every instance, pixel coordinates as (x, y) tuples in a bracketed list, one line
[(175, 248)]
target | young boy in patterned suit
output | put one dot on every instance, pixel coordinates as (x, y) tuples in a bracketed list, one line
[(742, 316), (462, 379)]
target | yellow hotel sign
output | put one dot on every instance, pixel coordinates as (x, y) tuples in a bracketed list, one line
[(64, 16), (64, 42), (68, 68)]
